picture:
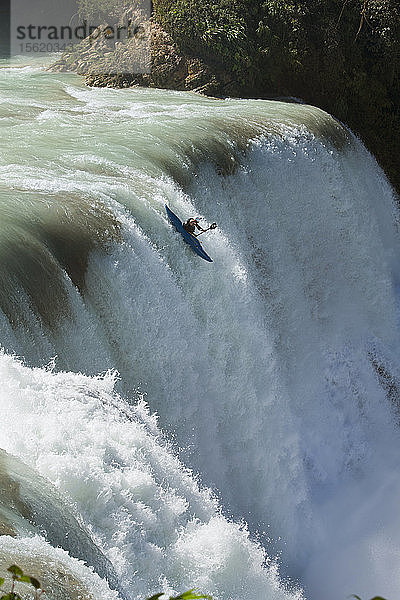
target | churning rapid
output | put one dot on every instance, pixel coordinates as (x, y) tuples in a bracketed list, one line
[(169, 423)]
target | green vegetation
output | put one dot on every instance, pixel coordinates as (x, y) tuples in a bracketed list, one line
[(217, 32), (341, 55), (374, 598), (19, 575)]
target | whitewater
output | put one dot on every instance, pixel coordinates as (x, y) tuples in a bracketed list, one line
[(169, 423)]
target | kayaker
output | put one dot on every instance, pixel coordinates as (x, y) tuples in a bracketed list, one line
[(191, 225)]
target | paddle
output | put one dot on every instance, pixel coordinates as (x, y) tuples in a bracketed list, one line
[(212, 226)]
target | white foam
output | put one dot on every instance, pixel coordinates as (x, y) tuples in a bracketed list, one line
[(110, 461)]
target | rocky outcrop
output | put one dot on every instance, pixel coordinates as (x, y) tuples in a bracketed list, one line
[(106, 65)]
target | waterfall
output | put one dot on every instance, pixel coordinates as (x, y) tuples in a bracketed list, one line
[(271, 374)]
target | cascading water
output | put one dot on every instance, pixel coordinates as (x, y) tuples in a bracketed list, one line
[(273, 371)]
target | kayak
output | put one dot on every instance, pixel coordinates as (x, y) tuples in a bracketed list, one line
[(190, 239)]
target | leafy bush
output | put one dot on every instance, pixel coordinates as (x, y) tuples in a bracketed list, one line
[(217, 32)]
